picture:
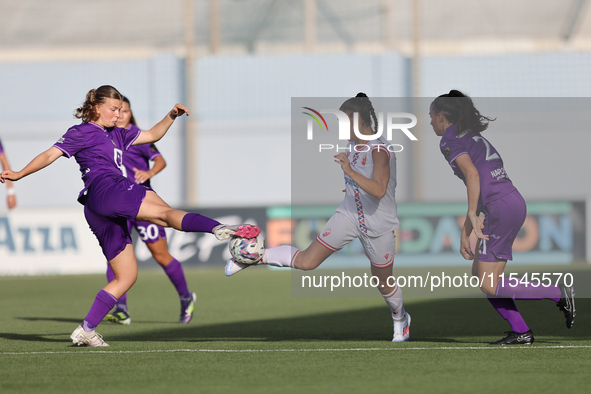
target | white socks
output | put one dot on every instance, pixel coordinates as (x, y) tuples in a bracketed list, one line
[(394, 301), (281, 256)]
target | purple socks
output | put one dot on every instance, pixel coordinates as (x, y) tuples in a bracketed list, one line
[(193, 222), (507, 291), (508, 311), (525, 291), (175, 273), (102, 304), (121, 304)]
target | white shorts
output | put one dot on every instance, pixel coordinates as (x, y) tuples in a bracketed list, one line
[(340, 230)]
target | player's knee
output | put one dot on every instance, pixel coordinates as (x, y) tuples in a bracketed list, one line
[(487, 290), (162, 258), (125, 281), (304, 263), (305, 266)]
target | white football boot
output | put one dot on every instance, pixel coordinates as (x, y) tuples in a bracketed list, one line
[(233, 267), (92, 338), (401, 329), (224, 232)]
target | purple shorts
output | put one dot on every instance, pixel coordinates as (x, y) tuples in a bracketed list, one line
[(503, 219), (112, 201), (149, 232)]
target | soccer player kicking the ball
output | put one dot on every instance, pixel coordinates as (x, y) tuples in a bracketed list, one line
[(368, 212), (110, 199), (137, 167), (490, 191)]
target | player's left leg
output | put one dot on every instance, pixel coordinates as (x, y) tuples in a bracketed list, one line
[(174, 270), (381, 251), (125, 268), (121, 314), (155, 210)]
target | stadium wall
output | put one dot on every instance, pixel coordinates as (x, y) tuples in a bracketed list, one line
[(38, 242)]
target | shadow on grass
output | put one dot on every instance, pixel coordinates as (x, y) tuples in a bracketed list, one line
[(34, 337), (56, 319), (441, 320)]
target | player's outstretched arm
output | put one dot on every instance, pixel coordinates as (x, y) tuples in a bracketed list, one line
[(41, 161), (158, 131)]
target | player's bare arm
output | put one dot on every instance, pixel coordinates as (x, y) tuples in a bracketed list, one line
[(41, 161), (158, 131), (473, 185), (377, 186), (10, 193), (142, 176)]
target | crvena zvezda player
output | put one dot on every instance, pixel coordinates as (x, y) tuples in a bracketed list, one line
[(368, 212)]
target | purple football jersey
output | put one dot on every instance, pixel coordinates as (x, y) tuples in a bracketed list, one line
[(1, 148), (139, 156), (494, 181), (96, 150)]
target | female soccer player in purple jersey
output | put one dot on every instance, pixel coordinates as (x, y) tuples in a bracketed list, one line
[(490, 191), (368, 212), (110, 199), (136, 161), (10, 194)]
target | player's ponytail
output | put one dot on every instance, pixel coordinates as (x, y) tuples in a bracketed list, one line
[(94, 97), (459, 109), (363, 106)]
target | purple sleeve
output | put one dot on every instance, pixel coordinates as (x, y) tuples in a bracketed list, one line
[(129, 136), (72, 142), (1, 148), (153, 151), (452, 148)]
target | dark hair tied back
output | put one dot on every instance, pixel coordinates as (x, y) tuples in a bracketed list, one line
[(362, 105), (459, 109)]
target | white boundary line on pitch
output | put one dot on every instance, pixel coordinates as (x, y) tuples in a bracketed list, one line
[(295, 350)]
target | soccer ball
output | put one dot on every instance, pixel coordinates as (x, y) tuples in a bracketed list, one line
[(247, 251)]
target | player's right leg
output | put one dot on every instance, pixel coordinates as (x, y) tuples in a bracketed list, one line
[(338, 232), (155, 210), (286, 256)]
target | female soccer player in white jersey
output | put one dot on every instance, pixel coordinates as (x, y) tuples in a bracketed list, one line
[(490, 191), (10, 194), (137, 165), (368, 212), (110, 199)]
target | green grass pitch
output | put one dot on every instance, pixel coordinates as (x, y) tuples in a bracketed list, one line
[(249, 336)]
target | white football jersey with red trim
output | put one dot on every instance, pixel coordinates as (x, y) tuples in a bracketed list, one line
[(374, 216)]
